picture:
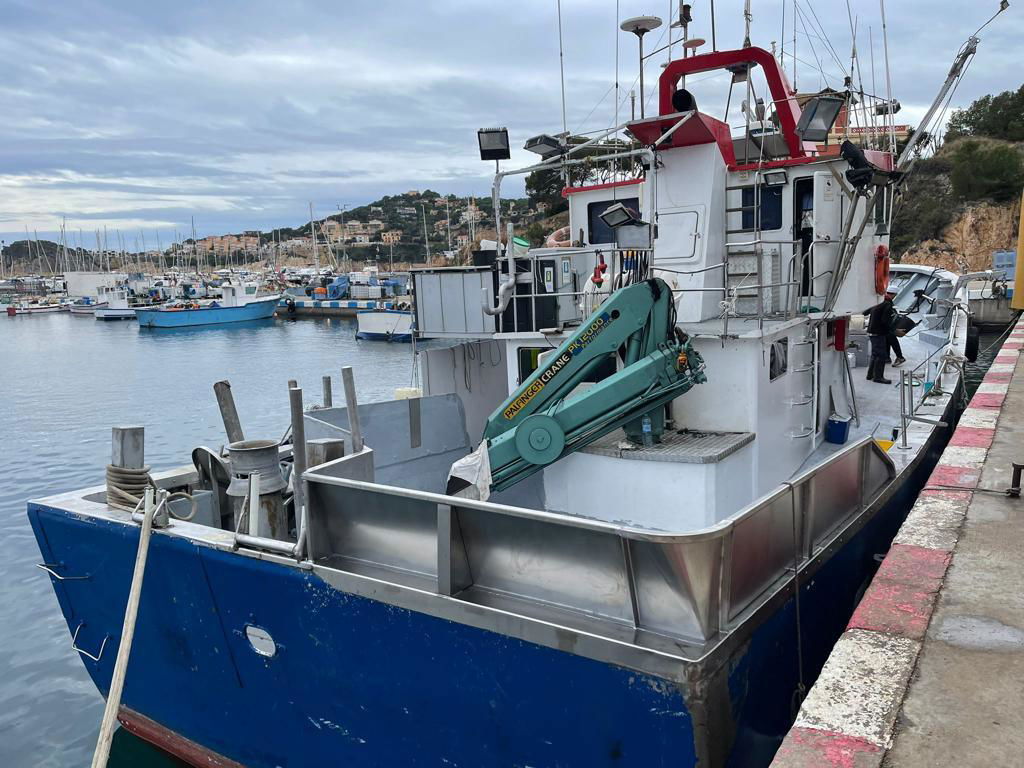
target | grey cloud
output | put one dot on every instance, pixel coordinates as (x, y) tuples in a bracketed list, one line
[(256, 107)]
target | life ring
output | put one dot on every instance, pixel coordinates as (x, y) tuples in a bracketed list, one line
[(560, 238), (881, 269)]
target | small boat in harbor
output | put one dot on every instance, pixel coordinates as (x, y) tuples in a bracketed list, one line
[(231, 308), (118, 304), (86, 306), (33, 307), (384, 324)]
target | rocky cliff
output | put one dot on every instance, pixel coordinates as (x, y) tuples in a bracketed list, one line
[(968, 242)]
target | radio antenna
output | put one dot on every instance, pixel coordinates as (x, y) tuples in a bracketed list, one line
[(561, 67)]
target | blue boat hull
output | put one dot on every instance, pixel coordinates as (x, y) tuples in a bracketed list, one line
[(183, 318), (401, 337), (362, 682), (355, 682)]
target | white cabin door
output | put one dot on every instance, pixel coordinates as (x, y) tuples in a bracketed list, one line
[(680, 234)]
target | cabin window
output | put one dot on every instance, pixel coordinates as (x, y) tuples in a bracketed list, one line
[(769, 211), (881, 212), (597, 230), (250, 289), (528, 359), (778, 363)]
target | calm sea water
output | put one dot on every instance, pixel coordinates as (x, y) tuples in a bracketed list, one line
[(64, 381)]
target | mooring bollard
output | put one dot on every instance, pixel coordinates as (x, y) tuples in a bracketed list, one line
[(128, 447), (1014, 490), (324, 450), (127, 475)]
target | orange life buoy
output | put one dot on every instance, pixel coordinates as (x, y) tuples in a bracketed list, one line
[(881, 269)]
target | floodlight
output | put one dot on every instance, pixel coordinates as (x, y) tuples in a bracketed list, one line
[(618, 215), (775, 179), (493, 143), (888, 107), (544, 145), (819, 115)]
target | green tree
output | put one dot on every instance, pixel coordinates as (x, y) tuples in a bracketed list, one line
[(926, 206), (986, 171), (545, 186), (996, 117)]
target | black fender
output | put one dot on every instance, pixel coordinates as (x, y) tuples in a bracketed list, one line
[(973, 342)]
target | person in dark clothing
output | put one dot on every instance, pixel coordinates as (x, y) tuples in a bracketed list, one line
[(893, 341), (881, 325)]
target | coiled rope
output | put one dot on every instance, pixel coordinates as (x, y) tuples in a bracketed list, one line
[(126, 488)]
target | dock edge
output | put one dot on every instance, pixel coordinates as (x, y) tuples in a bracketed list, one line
[(849, 716)]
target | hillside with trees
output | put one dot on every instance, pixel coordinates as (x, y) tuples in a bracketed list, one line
[(963, 202)]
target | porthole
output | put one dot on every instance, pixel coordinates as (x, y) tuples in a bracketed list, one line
[(261, 641)]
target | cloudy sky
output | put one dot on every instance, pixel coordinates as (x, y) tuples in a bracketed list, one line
[(138, 116)]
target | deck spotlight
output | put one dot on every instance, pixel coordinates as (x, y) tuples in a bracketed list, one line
[(819, 115), (544, 145), (493, 143), (775, 179), (619, 215)]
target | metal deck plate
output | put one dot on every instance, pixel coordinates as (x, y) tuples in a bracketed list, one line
[(689, 447)]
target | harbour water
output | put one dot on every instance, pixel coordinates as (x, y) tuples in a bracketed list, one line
[(65, 381)]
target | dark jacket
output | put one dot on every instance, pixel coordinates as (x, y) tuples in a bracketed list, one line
[(882, 319)]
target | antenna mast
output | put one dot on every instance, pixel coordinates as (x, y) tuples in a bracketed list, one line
[(561, 67), (714, 41), (746, 24), (888, 82)]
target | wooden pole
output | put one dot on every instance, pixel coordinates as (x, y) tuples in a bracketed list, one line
[(124, 650)]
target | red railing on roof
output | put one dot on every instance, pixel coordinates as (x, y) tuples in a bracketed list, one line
[(785, 103)]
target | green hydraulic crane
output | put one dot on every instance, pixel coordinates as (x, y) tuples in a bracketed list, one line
[(544, 420)]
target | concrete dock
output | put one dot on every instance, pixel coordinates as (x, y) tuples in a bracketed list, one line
[(930, 671)]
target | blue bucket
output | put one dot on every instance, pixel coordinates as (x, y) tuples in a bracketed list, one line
[(837, 430)]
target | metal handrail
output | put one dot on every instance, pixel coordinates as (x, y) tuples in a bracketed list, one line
[(641, 534), (715, 610)]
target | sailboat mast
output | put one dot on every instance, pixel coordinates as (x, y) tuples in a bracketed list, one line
[(426, 237)]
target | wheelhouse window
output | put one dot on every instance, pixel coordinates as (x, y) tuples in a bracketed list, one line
[(528, 359), (764, 214), (778, 363), (881, 210)]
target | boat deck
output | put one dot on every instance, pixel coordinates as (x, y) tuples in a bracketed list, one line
[(686, 447), (878, 405)]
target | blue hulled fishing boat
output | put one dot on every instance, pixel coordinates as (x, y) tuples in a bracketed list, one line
[(238, 303), (622, 522)]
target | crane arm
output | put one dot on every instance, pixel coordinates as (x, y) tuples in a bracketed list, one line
[(545, 419)]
